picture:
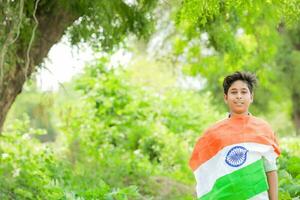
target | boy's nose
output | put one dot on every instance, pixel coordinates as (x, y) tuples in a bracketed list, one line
[(239, 96)]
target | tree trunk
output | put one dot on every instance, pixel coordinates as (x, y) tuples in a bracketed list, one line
[(290, 69), (296, 112), (296, 90), (51, 27)]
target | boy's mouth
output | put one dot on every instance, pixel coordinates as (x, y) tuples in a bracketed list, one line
[(238, 103)]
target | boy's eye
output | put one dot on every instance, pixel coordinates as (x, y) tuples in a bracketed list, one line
[(233, 92)]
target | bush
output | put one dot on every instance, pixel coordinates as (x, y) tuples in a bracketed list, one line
[(289, 169), (33, 170), (130, 134), (28, 168)]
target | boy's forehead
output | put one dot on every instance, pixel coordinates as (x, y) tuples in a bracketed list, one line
[(239, 85)]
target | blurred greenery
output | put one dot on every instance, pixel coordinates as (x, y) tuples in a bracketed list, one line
[(118, 139), (126, 131)]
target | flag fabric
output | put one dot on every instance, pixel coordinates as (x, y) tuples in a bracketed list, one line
[(228, 160)]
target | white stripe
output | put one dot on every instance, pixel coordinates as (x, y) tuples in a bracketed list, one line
[(261, 196), (216, 167)]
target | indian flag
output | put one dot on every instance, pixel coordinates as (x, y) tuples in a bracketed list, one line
[(227, 160)]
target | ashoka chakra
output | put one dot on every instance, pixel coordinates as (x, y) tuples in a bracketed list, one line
[(236, 156)]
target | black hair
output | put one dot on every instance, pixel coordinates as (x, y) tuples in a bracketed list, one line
[(247, 77)]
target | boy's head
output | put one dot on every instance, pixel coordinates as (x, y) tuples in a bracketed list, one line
[(238, 91)]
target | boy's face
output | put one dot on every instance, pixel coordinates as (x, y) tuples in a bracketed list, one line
[(238, 97)]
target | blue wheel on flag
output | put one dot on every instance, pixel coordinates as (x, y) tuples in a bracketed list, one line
[(236, 156)]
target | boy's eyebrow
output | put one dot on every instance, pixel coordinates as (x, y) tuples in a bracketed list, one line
[(237, 89)]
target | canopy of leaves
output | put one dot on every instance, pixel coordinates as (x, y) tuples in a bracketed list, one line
[(219, 37)]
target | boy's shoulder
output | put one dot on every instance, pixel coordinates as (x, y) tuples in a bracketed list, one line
[(260, 121), (223, 123), (217, 125)]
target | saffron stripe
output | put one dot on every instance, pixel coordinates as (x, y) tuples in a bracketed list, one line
[(211, 143)]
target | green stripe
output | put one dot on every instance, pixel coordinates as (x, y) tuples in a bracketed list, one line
[(239, 185)]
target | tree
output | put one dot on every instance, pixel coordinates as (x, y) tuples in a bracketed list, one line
[(30, 28), (243, 35), (288, 60)]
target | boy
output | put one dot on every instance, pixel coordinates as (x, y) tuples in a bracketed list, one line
[(235, 159)]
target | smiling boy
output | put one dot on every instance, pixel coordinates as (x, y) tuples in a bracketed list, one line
[(235, 159)]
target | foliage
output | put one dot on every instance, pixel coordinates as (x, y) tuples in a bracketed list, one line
[(106, 23), (28, 170), (38, 106), (139, 130), (102, 24), (29, 29), (33, 170), (289, 169), (118, 141)]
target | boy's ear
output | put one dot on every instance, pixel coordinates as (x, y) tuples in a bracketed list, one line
[(225, 98)]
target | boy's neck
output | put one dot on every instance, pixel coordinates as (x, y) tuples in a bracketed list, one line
[(231, 114)]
